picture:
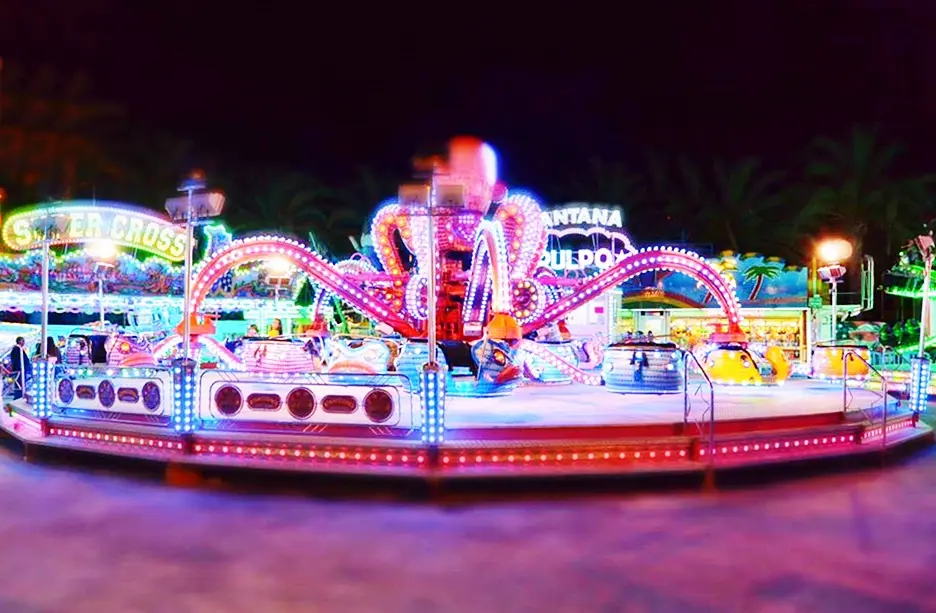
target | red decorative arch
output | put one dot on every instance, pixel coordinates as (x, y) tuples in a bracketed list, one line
[(647, 260), (260, 248)]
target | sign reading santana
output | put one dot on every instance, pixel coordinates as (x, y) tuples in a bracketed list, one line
[(87, 221), (581, 215)]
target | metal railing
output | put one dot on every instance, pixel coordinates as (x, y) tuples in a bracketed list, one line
[(687, 403), (896, 360), (854, 355), (13, 384)]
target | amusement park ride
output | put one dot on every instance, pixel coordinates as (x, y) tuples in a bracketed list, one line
[(458, 267)]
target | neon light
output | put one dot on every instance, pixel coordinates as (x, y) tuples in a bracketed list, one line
[(89, 221), (646, 260), (543, 353), (920, 375), (592, 231), (521, 217), (582, 259), (261, 248), (581, 214), (30, 302)]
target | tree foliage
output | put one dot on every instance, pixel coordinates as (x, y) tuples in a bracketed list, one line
[(57, 141)]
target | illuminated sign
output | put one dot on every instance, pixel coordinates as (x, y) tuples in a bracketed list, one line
[(602, 224), (87, 221), (584, 215), (582, 259)]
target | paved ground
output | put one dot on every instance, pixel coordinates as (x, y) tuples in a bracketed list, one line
[(79, 540)]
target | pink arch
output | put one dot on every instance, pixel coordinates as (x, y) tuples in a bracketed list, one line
[(646, 260), (263, 247), (489, 242)]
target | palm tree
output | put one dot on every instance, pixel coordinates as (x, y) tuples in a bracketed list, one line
[(291, 202), (745, 196), (151, 165), (335, 231), (368, 189), (607, 183), (55, 136), (680, 189), (729, 208), (855, 190), (759, 273)]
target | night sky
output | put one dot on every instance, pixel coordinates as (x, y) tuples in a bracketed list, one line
[(329, 88)]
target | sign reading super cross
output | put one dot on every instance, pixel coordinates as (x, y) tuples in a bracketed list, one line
[(89, 221)]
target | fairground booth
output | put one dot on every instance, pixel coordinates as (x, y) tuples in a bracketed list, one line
[(587, 238), (116, 264)]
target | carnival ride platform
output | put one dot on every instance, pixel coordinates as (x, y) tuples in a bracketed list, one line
[(539, 431)]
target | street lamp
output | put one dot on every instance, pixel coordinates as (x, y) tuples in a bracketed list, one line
[(193, 209), (832, 252), (920, 369), (925, 244), (104, 252), (49, 228)]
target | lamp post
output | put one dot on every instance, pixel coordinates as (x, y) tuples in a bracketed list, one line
[(832, 252), (105, 254), (925, 244), (921, 372), (421, 196), (191, 210), (49, 228)]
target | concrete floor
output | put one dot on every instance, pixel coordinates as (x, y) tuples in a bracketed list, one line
[(76, 540)]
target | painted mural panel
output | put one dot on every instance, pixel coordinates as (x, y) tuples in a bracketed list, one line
[(759, 281)]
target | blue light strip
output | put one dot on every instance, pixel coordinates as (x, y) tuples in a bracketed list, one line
[(183, 396), (920, 375), (41, 389), (433, 405)]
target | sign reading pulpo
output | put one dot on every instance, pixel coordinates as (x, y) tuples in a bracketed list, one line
[(89, 221), (603, 224)]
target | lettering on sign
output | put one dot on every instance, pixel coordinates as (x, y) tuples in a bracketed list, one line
[(581, 259), (93, 222), (583, 215)]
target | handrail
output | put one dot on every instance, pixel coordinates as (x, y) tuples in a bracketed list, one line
[(687, 405), (885, 349), (12, 381), (855, 355)]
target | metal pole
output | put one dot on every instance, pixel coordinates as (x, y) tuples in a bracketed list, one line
[(43, 344), (431, 290), (833, 294), (884, 426), (845, 356), (685, 369), (187, 283), (925, 307), (100, 287)]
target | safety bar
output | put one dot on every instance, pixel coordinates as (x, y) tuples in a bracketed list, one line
[(855, 355), (687, 406)]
